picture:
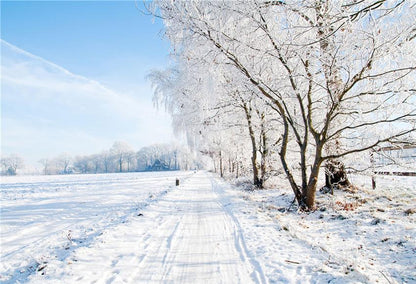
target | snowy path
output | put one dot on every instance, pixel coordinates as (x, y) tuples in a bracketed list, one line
[(186, 237)]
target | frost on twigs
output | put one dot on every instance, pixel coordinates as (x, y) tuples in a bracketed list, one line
[(282, 86)]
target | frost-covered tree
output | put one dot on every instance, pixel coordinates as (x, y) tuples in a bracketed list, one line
[(45, 164), (339, 75), (62, 163), (211, 109), (121, 151), (11, 164), (83, 164), (97, 163), (107, 161)]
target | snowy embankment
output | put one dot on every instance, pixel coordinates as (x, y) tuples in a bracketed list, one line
[(140, 229), (364, 237)]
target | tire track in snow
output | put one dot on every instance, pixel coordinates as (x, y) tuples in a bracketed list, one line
[(258, 273), (188, 236), (199, 245)]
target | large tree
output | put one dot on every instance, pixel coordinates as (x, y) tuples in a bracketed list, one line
[(340, 75)]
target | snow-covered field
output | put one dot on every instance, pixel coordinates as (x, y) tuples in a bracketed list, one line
[(140, 228), (43, 217)]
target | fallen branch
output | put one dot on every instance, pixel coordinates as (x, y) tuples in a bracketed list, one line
[(291, 261)]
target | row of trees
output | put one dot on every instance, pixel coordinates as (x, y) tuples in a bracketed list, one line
[(290, 86), (122, 158), (119, 158)]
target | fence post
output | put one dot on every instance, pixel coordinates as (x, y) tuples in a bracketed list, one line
[(373, 177)]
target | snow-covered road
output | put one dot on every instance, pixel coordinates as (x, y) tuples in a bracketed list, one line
[(187, 236)]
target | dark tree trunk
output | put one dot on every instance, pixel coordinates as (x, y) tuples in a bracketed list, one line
[(264, 152), (309, 193), (256, 180), (221, 169)]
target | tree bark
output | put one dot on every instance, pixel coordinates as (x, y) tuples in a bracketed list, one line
[(264, 152), (256, 180), (221, 169)]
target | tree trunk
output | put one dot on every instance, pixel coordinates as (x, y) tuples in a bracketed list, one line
[(215, 164), (309, 193), (221, 169), (283, 150), (264, 152), (256, 180)]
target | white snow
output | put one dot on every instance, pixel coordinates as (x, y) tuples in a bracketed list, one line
[(41, 216), (375, 242), (140, 228)]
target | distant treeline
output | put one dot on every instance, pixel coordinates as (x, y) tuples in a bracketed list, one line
[(119, 158)]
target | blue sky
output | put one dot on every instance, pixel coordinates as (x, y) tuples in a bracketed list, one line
[(73, 77), (96, 39)]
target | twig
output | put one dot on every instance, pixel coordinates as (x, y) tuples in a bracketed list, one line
[(291, 204), (291, 261), (385, 277)]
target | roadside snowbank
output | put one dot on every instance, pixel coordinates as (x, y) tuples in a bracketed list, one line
[(363, 237)]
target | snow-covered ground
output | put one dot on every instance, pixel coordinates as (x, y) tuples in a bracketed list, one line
[(140, 228), (43, 217), (363, 237)]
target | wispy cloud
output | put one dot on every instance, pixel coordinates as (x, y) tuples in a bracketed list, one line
[(53, 104)]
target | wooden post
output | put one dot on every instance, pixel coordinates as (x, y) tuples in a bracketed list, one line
[(373, 177)]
